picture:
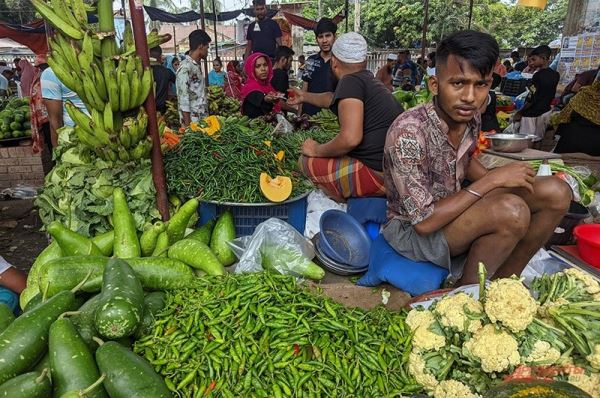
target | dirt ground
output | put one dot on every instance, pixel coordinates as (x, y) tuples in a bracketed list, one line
[(20, 237)]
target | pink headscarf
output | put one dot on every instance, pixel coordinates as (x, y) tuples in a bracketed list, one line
[(253, 84), (27, 75)]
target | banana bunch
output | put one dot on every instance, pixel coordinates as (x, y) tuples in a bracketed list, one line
[(172, 115), (110, 138), (67, 16), (220, 104), (129, 84), (153, 39)]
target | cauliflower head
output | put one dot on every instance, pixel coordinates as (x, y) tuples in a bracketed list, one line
[(497, 350), (588, 383), (594, 357), (416, 367), (542, 354), (424, 339), (453, 389), (592, 286), (510, 303), (451, 310)]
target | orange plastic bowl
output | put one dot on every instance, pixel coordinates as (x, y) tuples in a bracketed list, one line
[(588, 243)]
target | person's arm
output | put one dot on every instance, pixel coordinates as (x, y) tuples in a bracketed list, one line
[(55, 117), (351, 117), (304, 90), (13, 279), (513, 175), (183, 97), (321, 100)]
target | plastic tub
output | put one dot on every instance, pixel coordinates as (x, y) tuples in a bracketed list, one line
[(563, 234), (344, 239), (588, 243)]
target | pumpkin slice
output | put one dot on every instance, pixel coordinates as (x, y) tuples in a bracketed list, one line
[(275, 189)]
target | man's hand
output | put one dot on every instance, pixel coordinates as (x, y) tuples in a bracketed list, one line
[(310, 148), (185, 119), (513, 175), (272, 98), (295, 96)]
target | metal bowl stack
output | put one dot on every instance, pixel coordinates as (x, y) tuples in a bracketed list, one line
[(332, 265)]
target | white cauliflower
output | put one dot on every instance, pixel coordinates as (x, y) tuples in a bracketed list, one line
[(451, 310), (510, 303), (592, 286), (416, 367), (588, 383), (424, 339), (453, 389), (542, 354), (544, 310), (594, 357), (497, 350)]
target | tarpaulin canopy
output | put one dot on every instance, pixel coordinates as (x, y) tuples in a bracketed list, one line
[(157, 14), (32, 35), (306, 23)]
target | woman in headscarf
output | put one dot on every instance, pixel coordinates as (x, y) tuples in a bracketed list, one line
[(172, 63), (233, 83), (579, 122), (258, 96), (27, 75)]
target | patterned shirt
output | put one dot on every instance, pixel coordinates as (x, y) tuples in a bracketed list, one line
[(421, 166), (191, 95)]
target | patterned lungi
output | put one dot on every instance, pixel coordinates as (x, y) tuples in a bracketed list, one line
[(343, 177)]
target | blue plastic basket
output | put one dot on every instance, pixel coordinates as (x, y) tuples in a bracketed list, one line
[(247, 216)]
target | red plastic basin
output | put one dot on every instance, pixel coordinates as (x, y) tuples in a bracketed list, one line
[(588, 243)]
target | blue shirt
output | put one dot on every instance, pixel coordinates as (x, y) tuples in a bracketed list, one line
[(216, 78), (3, 83), (54, 89)]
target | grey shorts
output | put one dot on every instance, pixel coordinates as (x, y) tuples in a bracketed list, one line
[(433, 248)]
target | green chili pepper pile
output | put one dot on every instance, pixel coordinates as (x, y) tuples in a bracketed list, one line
[(263, 335), (226, 166)]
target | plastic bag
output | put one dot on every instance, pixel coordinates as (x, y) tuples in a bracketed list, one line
[(318, 203), (19, 192), (283, 126), (276, 246)]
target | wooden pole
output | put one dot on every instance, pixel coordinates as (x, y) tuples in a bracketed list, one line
[(425, 26), (357, 16), (123, 7), (158, 168), (203, 25), (175, 40), (470, 13), (215, 28), (347, 12)]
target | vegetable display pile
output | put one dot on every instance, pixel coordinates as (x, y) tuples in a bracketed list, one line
[(77, 193), (585, 183), (227, 165), (469, 345), (410, 99), (14, 119), (221, 104), (262, 335)]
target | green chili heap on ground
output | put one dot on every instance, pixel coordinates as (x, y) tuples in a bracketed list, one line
[(226, 166), (263, 335)]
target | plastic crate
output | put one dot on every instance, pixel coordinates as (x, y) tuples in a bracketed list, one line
[(512, 87), (248, 216)]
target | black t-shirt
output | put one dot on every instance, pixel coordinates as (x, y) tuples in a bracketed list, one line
[(163, 77), (280, 80), (254, 105), (317, 73), (543, 91), (263, 35), (489, 120), (380, 111), (520, 66)]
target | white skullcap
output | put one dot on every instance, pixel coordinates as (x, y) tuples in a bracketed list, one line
[(392, 57), (350, 48)]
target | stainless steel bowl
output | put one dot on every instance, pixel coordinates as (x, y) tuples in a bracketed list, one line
[(510, 142)]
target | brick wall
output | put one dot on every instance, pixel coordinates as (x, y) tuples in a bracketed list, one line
[(18, 165)]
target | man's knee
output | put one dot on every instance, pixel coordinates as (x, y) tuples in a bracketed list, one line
[(510, 214), (553, 193)]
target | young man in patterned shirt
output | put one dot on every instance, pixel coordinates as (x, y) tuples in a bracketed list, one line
[(503, 217), (191, 95)]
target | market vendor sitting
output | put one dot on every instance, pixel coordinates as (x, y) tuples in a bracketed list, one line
[(350, 165), (258, 96), (503, 217)]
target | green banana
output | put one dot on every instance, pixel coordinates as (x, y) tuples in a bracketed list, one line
[(91, 92), (69, 56), (107, 117), (130, 67), (80, 12), (57, 20), (87, 139), (138, 66), (124, 137), (100, 83), (86, 55), (134, 90), (109, 154), (68, 78), (113, 90), (97, 46), (123, 154), (80, 118), (146, 86), (128, 42), (124, 92), (142, 124), (98, 119)]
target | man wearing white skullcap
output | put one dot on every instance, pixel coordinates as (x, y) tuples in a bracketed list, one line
[(350, 165), (385, 72)]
